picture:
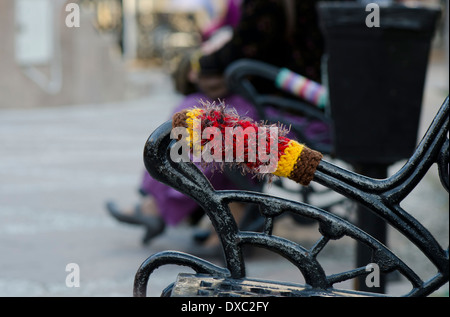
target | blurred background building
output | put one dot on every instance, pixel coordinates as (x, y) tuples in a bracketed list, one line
[(43, 62)]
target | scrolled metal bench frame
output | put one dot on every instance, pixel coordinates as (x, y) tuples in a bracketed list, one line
[(383, 197)]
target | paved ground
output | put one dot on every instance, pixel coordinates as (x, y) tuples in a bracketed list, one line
[(59, 165)]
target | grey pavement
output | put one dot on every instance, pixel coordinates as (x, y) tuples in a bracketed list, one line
[(59, 165)]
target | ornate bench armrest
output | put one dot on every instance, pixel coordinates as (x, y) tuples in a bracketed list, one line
[(382, 197)]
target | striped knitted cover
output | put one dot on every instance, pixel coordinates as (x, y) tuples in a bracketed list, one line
[(302, 87), (294, 160)]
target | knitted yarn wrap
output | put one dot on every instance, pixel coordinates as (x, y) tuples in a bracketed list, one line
[(293, 160)]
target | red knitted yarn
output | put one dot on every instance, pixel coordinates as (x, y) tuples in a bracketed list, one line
[(221, 117)]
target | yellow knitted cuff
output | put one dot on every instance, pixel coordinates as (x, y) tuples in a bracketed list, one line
[(191, 116), (289, 159)]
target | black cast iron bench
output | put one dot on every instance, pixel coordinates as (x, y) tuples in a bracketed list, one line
[(381, 196)]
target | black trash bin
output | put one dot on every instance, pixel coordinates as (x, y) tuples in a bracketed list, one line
[(376, 78)]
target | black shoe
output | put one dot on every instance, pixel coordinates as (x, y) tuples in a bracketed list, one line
[(154, 225), (201, 235)]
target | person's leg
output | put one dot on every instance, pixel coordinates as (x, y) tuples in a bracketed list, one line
[(144, 214)]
